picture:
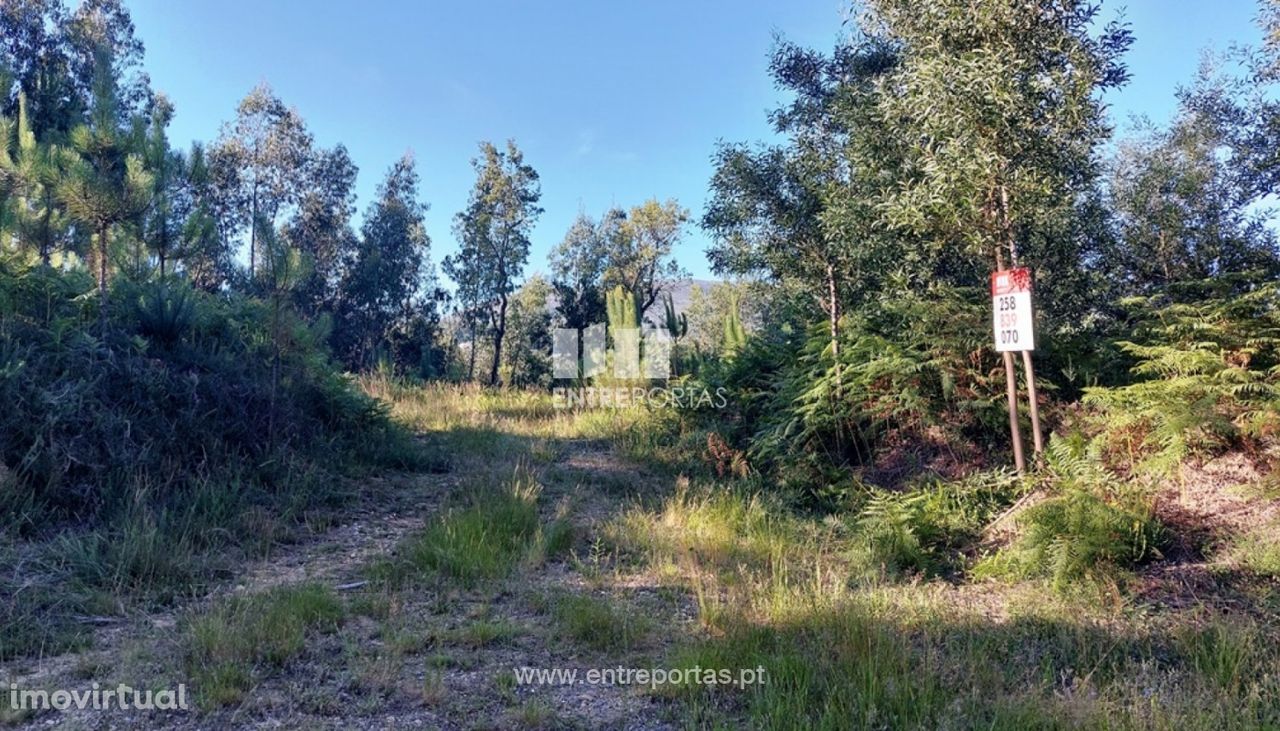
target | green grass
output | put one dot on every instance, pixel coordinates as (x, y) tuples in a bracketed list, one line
[(232, 646), (485, 632), (486, 539), (865, 617), (599, 623), (1258, 551), (890, 660), (1224, 651)]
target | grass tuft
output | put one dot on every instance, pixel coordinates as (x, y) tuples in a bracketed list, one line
[(484, 540), (229, 648)]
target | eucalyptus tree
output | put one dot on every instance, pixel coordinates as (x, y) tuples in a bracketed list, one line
[(34, 49), (468, 276), (321, 227), (577, 271), (1002, 101), (382, 292), (639, 250), (98, 25), (801, 214), (494, 232), (1183, 214), (167, 216), (206, 258), (528, 359), (260, 162)]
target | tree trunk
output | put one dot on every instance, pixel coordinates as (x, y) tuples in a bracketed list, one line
[(46, 243), (498, 333), (471, 367), (102, 277), (253, 233), (833, 309)]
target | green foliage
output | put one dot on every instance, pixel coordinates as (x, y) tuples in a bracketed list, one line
[(1186, 209), (165, 312), (621, 308), (598, 623), (640, 243), (88, 415), (1224, 651), (494, 231), (384, 310), (528, 359), (1208, 376), (676, 324), (915, 375), (924, 528), (1088, 531), (735, 336)]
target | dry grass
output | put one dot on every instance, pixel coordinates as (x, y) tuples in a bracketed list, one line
[(538, 560)]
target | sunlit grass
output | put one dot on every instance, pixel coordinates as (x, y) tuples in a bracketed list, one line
[(484, 539), (852, 631)]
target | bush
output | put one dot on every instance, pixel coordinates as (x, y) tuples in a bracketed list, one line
[(181, 385), (138, 459), (925, 528), (1077, 536), (1093, 527), (912, 374)]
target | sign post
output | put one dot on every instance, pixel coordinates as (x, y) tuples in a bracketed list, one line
[(1014, 332)]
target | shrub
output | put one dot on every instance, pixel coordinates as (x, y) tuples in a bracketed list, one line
[(181, 385), (1075, 536), (925, 528), (910, 371)]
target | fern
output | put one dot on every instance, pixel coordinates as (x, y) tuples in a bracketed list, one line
[(1208, 377)]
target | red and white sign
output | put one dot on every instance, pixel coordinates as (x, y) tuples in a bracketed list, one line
[(1011, 310)]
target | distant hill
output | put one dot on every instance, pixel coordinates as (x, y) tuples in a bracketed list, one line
[(682, 292)]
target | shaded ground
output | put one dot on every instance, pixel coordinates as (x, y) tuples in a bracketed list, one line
[(657, 573), (409, 658)]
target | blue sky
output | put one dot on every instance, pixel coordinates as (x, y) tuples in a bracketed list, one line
[(612, 102)]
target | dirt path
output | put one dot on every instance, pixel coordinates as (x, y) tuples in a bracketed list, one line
[(413, 658)]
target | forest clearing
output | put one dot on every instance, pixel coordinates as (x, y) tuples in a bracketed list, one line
[(938, 395)]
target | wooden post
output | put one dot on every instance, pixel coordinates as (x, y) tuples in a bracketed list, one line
[(1037, 439), (1011, 387)]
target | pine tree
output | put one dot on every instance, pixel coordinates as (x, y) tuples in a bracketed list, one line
[(106, 182), (33, 174)]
